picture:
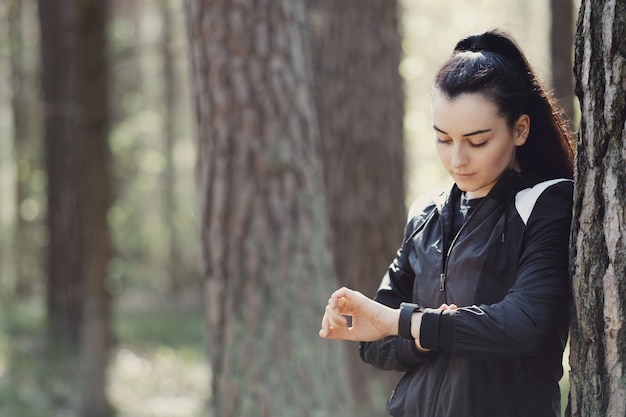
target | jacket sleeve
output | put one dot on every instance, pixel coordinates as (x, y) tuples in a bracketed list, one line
[(393, 352), (535, 308)]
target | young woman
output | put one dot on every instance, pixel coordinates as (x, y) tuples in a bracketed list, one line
[(474, 308)]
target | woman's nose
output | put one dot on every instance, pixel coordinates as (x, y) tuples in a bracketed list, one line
[(459, 157)]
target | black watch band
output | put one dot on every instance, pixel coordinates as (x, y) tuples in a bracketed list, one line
[(404, 323)]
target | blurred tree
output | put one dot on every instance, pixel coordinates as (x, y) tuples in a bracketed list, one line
[(267, 261), (598, 336), (356, 56), (75, 85), (170, 101), (20, 139), (135, 133), (154, 205), (561, 48), (26, 252)]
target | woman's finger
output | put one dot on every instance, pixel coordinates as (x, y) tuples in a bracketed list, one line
[(342, 295), (325, 325), (335, 318), (339, 333)]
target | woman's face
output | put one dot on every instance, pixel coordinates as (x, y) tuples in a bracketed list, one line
[(474, 142)]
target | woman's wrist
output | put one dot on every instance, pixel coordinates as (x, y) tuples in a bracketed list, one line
[(394, 318), (416, 325)]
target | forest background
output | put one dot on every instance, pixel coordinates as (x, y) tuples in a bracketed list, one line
[(159, 365)]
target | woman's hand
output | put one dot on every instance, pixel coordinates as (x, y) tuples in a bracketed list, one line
[(370, 320)]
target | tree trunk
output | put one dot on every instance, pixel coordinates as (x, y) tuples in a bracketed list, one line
[(598, 337), (63, 150), (96, 337), (561, 41), (357, 50), (267, 262), (75, 88)]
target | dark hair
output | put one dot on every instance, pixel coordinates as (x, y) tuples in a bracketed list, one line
[(491, 64)]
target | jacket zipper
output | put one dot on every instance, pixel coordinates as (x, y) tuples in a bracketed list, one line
[(442, 276)]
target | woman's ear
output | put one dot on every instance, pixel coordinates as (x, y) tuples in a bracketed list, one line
[(521, 129)]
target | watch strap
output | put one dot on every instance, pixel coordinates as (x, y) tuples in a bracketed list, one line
[(404, 323)]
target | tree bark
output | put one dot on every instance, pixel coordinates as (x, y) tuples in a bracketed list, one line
[(267, 262), (96, 335), (561, 42), (75, 90), (598, 336), (63, 151), (360, 105), (360, 102)]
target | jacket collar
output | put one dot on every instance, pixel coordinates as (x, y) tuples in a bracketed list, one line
[(509, 183)]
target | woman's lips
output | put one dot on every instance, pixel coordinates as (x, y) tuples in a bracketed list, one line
[(462, 175)]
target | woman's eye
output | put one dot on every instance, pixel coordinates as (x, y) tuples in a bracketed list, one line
[(478, 145), (443, 141)]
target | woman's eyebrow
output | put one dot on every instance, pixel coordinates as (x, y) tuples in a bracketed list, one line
[(478, 132)]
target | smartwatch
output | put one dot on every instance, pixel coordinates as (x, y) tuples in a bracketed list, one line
[(404, 323)]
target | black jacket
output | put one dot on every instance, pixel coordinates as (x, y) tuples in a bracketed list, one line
[(500, 355)]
